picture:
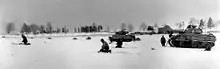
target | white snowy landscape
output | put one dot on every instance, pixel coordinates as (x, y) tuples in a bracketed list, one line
[(66, 53), (55, 34)]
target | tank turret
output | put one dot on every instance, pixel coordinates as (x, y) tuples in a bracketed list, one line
[(122, 35)]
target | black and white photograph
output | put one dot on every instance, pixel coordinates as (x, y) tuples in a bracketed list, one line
[(109, 34)]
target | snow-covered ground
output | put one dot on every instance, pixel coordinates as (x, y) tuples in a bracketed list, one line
[(66, 53)]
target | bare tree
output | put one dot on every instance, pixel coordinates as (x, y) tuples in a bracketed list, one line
[(143, 26), (78, 29), (130, 27), (155, 25), (193, 22), (99, 28), (123, 26), (49, 27), (10, 27), (180, 25), (94, 27), (58, 30), (65, 30), (210, 23), (75, 30), (107, 29), (42, 29), (25, 28), (34, 28)]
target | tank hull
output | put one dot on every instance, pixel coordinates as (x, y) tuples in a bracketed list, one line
[(192, 40), (124, 38)]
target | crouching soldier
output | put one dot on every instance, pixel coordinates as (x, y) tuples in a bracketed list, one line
[(105, 47), (163, 41), (208, 48), (25, 41)]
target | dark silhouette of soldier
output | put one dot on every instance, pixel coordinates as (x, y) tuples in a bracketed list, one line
[(105, 47), (163, 40), (119, 43), (170, 34), (208, 48), (25, 41)]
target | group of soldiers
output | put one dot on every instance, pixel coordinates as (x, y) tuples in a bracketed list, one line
[(105, 47), (163, 39), (163, 42)]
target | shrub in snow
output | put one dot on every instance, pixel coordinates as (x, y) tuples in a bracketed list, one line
[(49, 38), (74, 38), (3, 36), (138, 39), (32, 37), (88, 38), (152, 48)]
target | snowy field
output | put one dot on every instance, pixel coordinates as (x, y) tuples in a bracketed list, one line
[(66, 53)]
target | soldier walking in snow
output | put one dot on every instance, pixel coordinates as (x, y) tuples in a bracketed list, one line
[(105, 47), (163, 41), (170, 34), (119, 43)]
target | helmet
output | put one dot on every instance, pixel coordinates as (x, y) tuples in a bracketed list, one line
[(102, 40)]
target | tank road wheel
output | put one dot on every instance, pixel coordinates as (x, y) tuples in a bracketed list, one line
[(195, 45)]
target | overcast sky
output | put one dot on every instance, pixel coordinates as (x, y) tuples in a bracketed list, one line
[(106, 12)]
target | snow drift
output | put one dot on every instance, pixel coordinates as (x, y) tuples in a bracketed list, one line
[(66, 53)]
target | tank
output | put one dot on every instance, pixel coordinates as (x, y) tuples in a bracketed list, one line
[(192, 38), (122, 35)]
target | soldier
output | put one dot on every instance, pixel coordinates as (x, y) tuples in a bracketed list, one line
[(208, 48), (105, 47), (163, 40), (170, 34), (119, 43), (25, 41)]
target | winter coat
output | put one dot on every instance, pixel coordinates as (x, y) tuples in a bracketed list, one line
[(105, 45), (163, 40), (24, 38)]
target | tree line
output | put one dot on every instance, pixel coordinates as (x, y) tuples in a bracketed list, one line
[(36, 29), (143, 27), (39, 29), (92, 28), (193, 22), (48, 28)]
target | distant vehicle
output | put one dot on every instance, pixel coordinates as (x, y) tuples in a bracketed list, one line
[(137, 33), (143, 33), (192, 38), (122, 35)]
